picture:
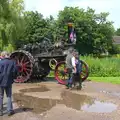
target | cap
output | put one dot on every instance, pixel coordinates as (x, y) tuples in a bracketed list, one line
[(5, 54)]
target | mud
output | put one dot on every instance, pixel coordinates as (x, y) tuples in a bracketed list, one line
[(117, 94), (69, 99), (100, 107), (39, 89), (37, 105)]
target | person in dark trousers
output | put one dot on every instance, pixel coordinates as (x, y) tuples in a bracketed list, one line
[(74, 68), (8, 72), (71, 67), (78, 70)]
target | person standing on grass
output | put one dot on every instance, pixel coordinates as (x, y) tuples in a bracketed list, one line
[(8, 72)]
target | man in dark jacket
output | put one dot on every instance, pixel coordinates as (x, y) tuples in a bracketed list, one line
[(8, 72)]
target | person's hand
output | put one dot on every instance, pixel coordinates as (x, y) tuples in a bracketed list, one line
[(74, 71)]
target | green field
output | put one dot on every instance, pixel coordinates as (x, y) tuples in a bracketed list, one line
[(114, 80), (102, 69)]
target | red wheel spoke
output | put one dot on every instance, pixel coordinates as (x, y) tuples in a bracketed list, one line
[(26, 63), (24, 60), (18, 62), (23, 73), (27, 73), (28, 69), (83, 73)]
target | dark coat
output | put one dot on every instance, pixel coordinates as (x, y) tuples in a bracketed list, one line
[(8, 72)]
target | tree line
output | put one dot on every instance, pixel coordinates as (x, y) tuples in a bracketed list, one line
[(18, 27)]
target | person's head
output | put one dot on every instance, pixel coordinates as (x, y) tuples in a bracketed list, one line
[(71, 50), (5, 54), (76, 54)]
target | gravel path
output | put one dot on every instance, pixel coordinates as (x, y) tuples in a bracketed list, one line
[(53, 102)]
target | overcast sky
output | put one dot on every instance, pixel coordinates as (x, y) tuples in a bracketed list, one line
[(51, 7)]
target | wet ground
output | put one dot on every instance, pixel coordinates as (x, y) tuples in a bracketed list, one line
[(51, 101)]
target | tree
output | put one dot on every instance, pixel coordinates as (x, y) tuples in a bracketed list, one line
[(94, 32), (4, 17), (17, 27), (10, 21), (36, 27)]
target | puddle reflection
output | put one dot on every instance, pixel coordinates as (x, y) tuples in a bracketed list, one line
[(71, 100)]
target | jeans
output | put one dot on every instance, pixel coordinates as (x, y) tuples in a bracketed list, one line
[(78, 79), (69, 71), (73, 79), (8, 91)]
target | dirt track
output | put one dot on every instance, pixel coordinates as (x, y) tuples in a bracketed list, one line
[(51, 101)]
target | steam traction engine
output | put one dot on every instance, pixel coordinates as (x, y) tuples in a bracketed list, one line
[(38, 59)]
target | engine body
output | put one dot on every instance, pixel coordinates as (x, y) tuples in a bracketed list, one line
[(35, 59)]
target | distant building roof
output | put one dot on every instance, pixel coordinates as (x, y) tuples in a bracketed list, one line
[(116, 39)]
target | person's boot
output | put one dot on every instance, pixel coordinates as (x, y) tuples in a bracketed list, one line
[(80, 86), (1, 110), (70, 86), (1, 113), (67, 86), (11, 113)]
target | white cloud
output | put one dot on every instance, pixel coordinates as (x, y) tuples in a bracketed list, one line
[(46, 7), (51, 7), (111, 6)]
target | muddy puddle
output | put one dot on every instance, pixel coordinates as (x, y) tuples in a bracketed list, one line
[(37, 89), (99, 107), (117, 94), (69, 99)]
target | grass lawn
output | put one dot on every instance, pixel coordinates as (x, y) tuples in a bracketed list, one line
[(114, 80)]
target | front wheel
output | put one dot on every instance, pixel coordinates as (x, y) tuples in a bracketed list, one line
[(61, 74)]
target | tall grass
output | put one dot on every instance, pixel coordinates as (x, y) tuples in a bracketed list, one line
[(103, 67), (9, 48)]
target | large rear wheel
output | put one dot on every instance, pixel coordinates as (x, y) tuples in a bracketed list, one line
[(25, 61)]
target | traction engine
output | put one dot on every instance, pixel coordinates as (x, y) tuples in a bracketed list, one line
[(38, 59)]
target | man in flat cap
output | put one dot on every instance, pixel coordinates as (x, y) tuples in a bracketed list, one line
[(8, 72)]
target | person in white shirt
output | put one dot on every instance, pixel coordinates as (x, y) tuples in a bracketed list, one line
[(77, 78), (71, 67)]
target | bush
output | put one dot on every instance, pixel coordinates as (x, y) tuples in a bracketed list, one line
[(115, 49), (103, 67), (9, 48)]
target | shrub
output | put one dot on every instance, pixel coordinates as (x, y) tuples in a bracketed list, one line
[(9, 48), (103, 67)]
